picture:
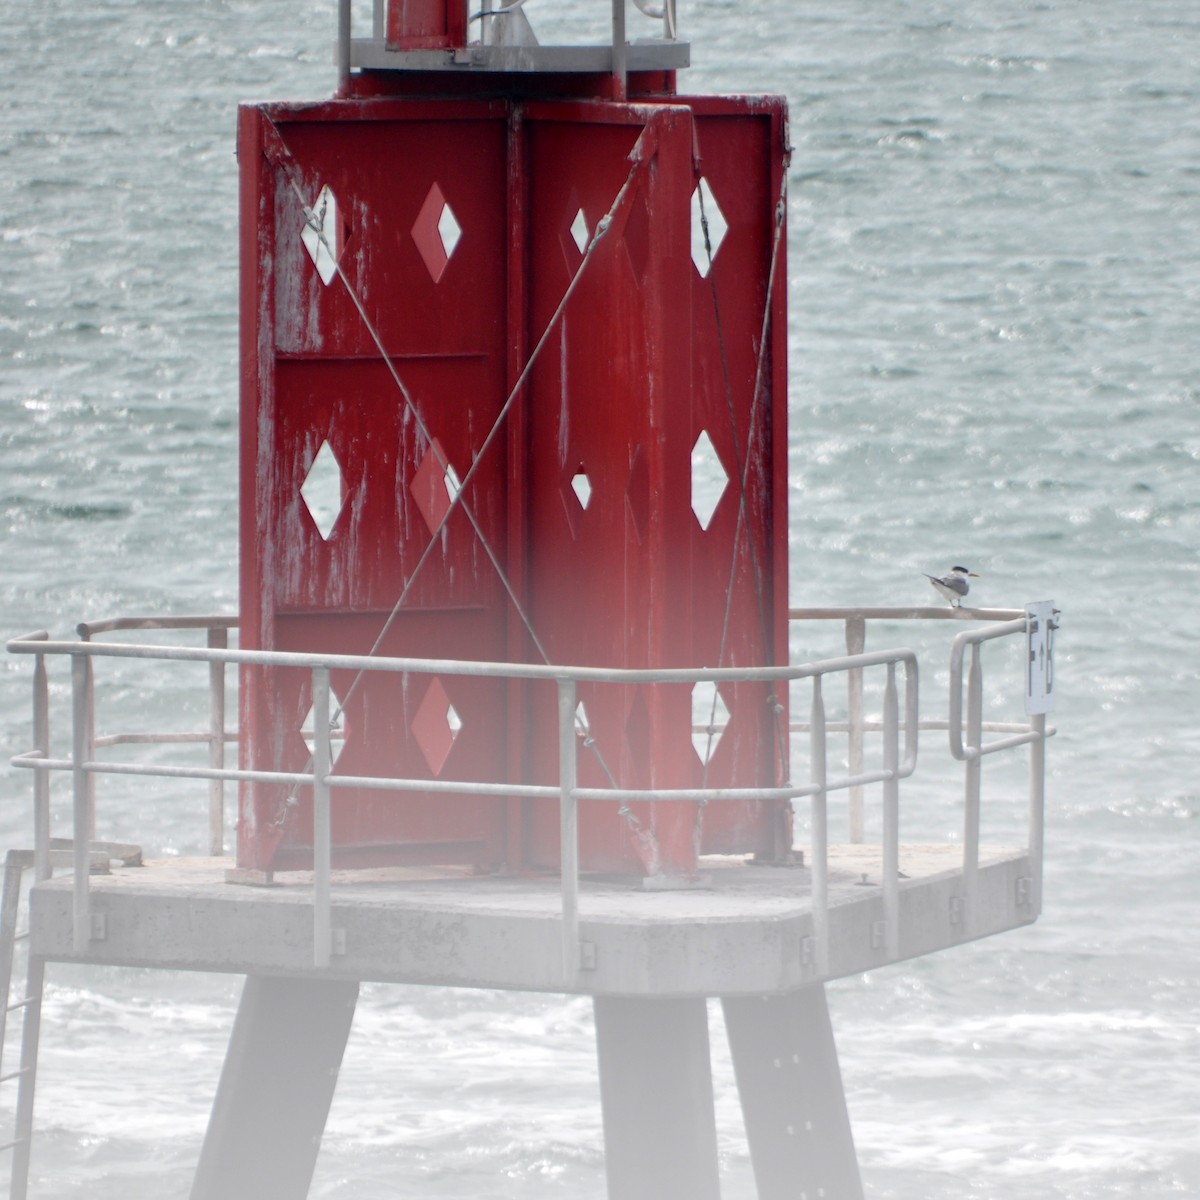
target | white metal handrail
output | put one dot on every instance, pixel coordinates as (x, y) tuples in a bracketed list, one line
[(1001, 623), (84, 766), (975, 748), (897, 723), (855, 623)]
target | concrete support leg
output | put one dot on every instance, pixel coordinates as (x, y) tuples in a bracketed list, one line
[(660, 1132), (793, 1103), (276, 1088)]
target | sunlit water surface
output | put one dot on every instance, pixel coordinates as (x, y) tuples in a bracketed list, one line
[(994, 242)]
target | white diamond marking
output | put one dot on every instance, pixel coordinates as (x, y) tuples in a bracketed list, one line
[(337, 732), (709, 479), (452, 482), (320, 235), (322, 490), (581, 485), (579, 231), (449, 230), (717, 227), (710, 716)]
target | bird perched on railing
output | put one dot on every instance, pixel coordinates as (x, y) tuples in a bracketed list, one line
[(953, 585)]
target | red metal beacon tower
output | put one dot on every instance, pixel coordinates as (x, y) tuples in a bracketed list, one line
[(515, 316), (516, 708), (514, 391)]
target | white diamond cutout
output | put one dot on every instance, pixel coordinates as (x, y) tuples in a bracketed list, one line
[(710, 716), (581, 721), (435, 487), (581, 485), (337, 731), (709, 479), (452, 482), (436, 726), (321, 235), (436, 233), (704, 206), (322, 491), (579, 231), (449, 230)]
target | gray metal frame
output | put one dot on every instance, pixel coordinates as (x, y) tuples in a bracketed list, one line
[(618, 57)]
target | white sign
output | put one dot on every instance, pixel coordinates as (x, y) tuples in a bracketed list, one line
[(1041, 624)]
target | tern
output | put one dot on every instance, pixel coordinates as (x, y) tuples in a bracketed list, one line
[(953, 585)]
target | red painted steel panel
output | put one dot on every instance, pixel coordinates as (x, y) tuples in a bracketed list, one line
[(650, 355), (327, 356), (739, 399), (586, 499), (602, 401)]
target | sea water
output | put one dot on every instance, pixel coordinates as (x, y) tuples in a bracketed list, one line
[(994, 279)]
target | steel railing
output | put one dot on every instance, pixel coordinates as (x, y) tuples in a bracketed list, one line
[(1001, 623), (663, 12), (899, 727)]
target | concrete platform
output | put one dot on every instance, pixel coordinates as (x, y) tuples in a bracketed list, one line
[(748, 932)]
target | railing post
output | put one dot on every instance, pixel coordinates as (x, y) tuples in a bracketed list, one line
[(90, 702), (820, 828), (569, 828), (856, 640), (973, 771), (217, 640), (322, 925), (343, 45), (891, 813), (619, 50), (81, 752), (1037, 804), (41, 776)]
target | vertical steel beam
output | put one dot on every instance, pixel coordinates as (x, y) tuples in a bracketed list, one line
[(41, 777), (972, 786), (322, 842), (81, 745), (620, 53), (276, 1087), (90, 707), (856, 640), (569, 825), (1037, 806), (218, 639), (660, 1133), (794, 1105), (820, 827), (518, 810), (343, 46), (891, 814)]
